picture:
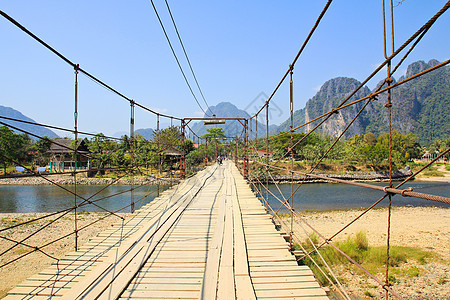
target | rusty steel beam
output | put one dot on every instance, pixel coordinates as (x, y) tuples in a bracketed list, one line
[(246, 150), (182, 157)]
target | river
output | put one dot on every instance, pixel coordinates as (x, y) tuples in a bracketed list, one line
[(328, 196), (50, 198), (312, 196)]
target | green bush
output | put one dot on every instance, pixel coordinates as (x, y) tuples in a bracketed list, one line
[(372, 258), (361, 241)]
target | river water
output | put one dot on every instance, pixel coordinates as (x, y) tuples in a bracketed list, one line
[(327, 196), (50, 198), (312, 196)]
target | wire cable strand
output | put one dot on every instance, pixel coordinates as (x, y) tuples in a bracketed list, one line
[(176, 57), (187, 58), (68, 61)]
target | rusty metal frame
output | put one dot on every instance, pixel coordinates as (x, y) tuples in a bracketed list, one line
[(186, 121)]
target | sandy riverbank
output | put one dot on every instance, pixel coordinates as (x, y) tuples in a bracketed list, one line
[(68, 179), (426, 228), (440, 168), (35, 262)]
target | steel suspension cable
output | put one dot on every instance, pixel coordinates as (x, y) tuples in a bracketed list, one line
[(176, 58), (187, 57), (324, 10), (337, 109), (66, 60), (58, 128), (66, 211), (417, 34)]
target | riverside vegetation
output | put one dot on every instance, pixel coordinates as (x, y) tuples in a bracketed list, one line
[(360, 153)]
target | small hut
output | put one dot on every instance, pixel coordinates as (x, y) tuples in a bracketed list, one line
[(171, 157), (264, 153), (62, 158)]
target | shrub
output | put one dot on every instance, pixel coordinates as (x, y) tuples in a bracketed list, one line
[(361, 241)]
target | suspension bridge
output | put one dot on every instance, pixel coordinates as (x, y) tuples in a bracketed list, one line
[(214, 235), (207, 238)]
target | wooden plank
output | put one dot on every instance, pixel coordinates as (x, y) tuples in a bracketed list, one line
[(46, 283), (291, 293), (167, 295), (169, 275), (226, 288), (283, 279), (54, 277), (158, 287), (162, 280), (37, 291), (286, 285), (244, 287), (25, 297), (298, 297), (211, 276)]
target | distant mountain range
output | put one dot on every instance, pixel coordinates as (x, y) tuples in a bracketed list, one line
[(9, 112), (14, 114), (146, 133), (231, 128), (420, 106)]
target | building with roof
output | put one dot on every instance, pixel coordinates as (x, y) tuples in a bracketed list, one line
[(62, 156)]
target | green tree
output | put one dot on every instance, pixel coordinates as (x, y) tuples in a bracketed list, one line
[(214, 133), (13, 147), (101, 150), (167, 138), (7, 151)]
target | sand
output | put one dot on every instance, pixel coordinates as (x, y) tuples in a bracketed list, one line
[(444, 178), (35, 262)]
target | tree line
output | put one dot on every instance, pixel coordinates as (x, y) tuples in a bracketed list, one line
[(19, 149), (361, 149)]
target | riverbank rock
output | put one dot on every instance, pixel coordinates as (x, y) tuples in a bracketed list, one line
[(366, 176), (68, 179)]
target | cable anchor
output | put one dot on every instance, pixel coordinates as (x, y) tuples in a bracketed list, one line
[(410, 189)]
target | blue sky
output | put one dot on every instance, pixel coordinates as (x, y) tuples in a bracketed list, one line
[(239, 49)]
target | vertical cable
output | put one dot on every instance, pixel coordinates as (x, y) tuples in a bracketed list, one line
[(132, 154), (291, 111), (392, 27), (388, 105), (267, 157), (206, 152), (159, 152), (257, 153), (75, 115), (384, 29), (182, 157), (246, 150)]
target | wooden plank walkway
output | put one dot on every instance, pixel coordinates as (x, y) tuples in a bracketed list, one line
[(207, 238)]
